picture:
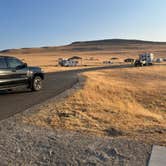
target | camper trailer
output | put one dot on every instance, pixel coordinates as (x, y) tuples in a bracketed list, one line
[(68, 62), (73, 61)]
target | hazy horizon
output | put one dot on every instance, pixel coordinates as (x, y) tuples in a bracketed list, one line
[(54, 23), (67, 43)]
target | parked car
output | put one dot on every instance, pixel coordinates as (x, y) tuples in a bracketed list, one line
[(14, 73), (129, 60), (114, 58), (107, 62), (159, 60)]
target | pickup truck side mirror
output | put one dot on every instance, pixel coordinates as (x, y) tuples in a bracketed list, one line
[(24, 65)]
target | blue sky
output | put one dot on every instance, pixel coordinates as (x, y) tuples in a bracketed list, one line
[(33, 23)]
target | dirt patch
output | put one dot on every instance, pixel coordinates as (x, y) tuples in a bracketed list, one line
[(113, 132)]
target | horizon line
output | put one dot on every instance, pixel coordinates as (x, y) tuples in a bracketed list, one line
[(81, 41)]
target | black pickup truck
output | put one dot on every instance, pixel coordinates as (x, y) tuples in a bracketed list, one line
[(15, 73)]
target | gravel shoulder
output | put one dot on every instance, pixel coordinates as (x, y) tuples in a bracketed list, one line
[(28, 145)]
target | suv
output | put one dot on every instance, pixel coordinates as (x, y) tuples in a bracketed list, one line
[(15, 73)]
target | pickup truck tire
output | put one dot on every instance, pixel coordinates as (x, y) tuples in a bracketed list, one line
[(37, 83)]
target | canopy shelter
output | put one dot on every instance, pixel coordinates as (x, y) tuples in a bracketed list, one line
[(75, 58)]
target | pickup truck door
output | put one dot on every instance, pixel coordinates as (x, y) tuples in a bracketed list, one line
[(5, 73), (17, 70)]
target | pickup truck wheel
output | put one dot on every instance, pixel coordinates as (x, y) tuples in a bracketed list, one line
[(37, 83)]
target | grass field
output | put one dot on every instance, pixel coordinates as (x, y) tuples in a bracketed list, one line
[(92, 53), (127, 102)]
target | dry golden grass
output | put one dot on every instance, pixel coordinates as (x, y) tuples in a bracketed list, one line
[(49, 61), (92, 54), (117, 102)]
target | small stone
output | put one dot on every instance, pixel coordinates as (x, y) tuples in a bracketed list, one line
[(19, 150)]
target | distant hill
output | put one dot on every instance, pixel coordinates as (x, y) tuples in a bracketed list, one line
[(97, 45), (115, 42)]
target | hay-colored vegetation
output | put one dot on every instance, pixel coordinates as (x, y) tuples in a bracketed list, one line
[(127, 102), (92, 53)]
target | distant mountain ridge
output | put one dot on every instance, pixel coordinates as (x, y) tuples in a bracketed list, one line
[(94, 45), (118, 41)]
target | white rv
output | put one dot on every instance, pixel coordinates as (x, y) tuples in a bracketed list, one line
[(144, 59), (147, 57)]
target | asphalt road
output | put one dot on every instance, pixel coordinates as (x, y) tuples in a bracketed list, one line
[(19, 100), (54, 84)]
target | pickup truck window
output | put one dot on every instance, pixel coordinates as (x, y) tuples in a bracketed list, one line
[(13, 62), (3, 64)]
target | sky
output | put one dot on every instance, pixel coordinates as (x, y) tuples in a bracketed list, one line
[(35, 23)]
